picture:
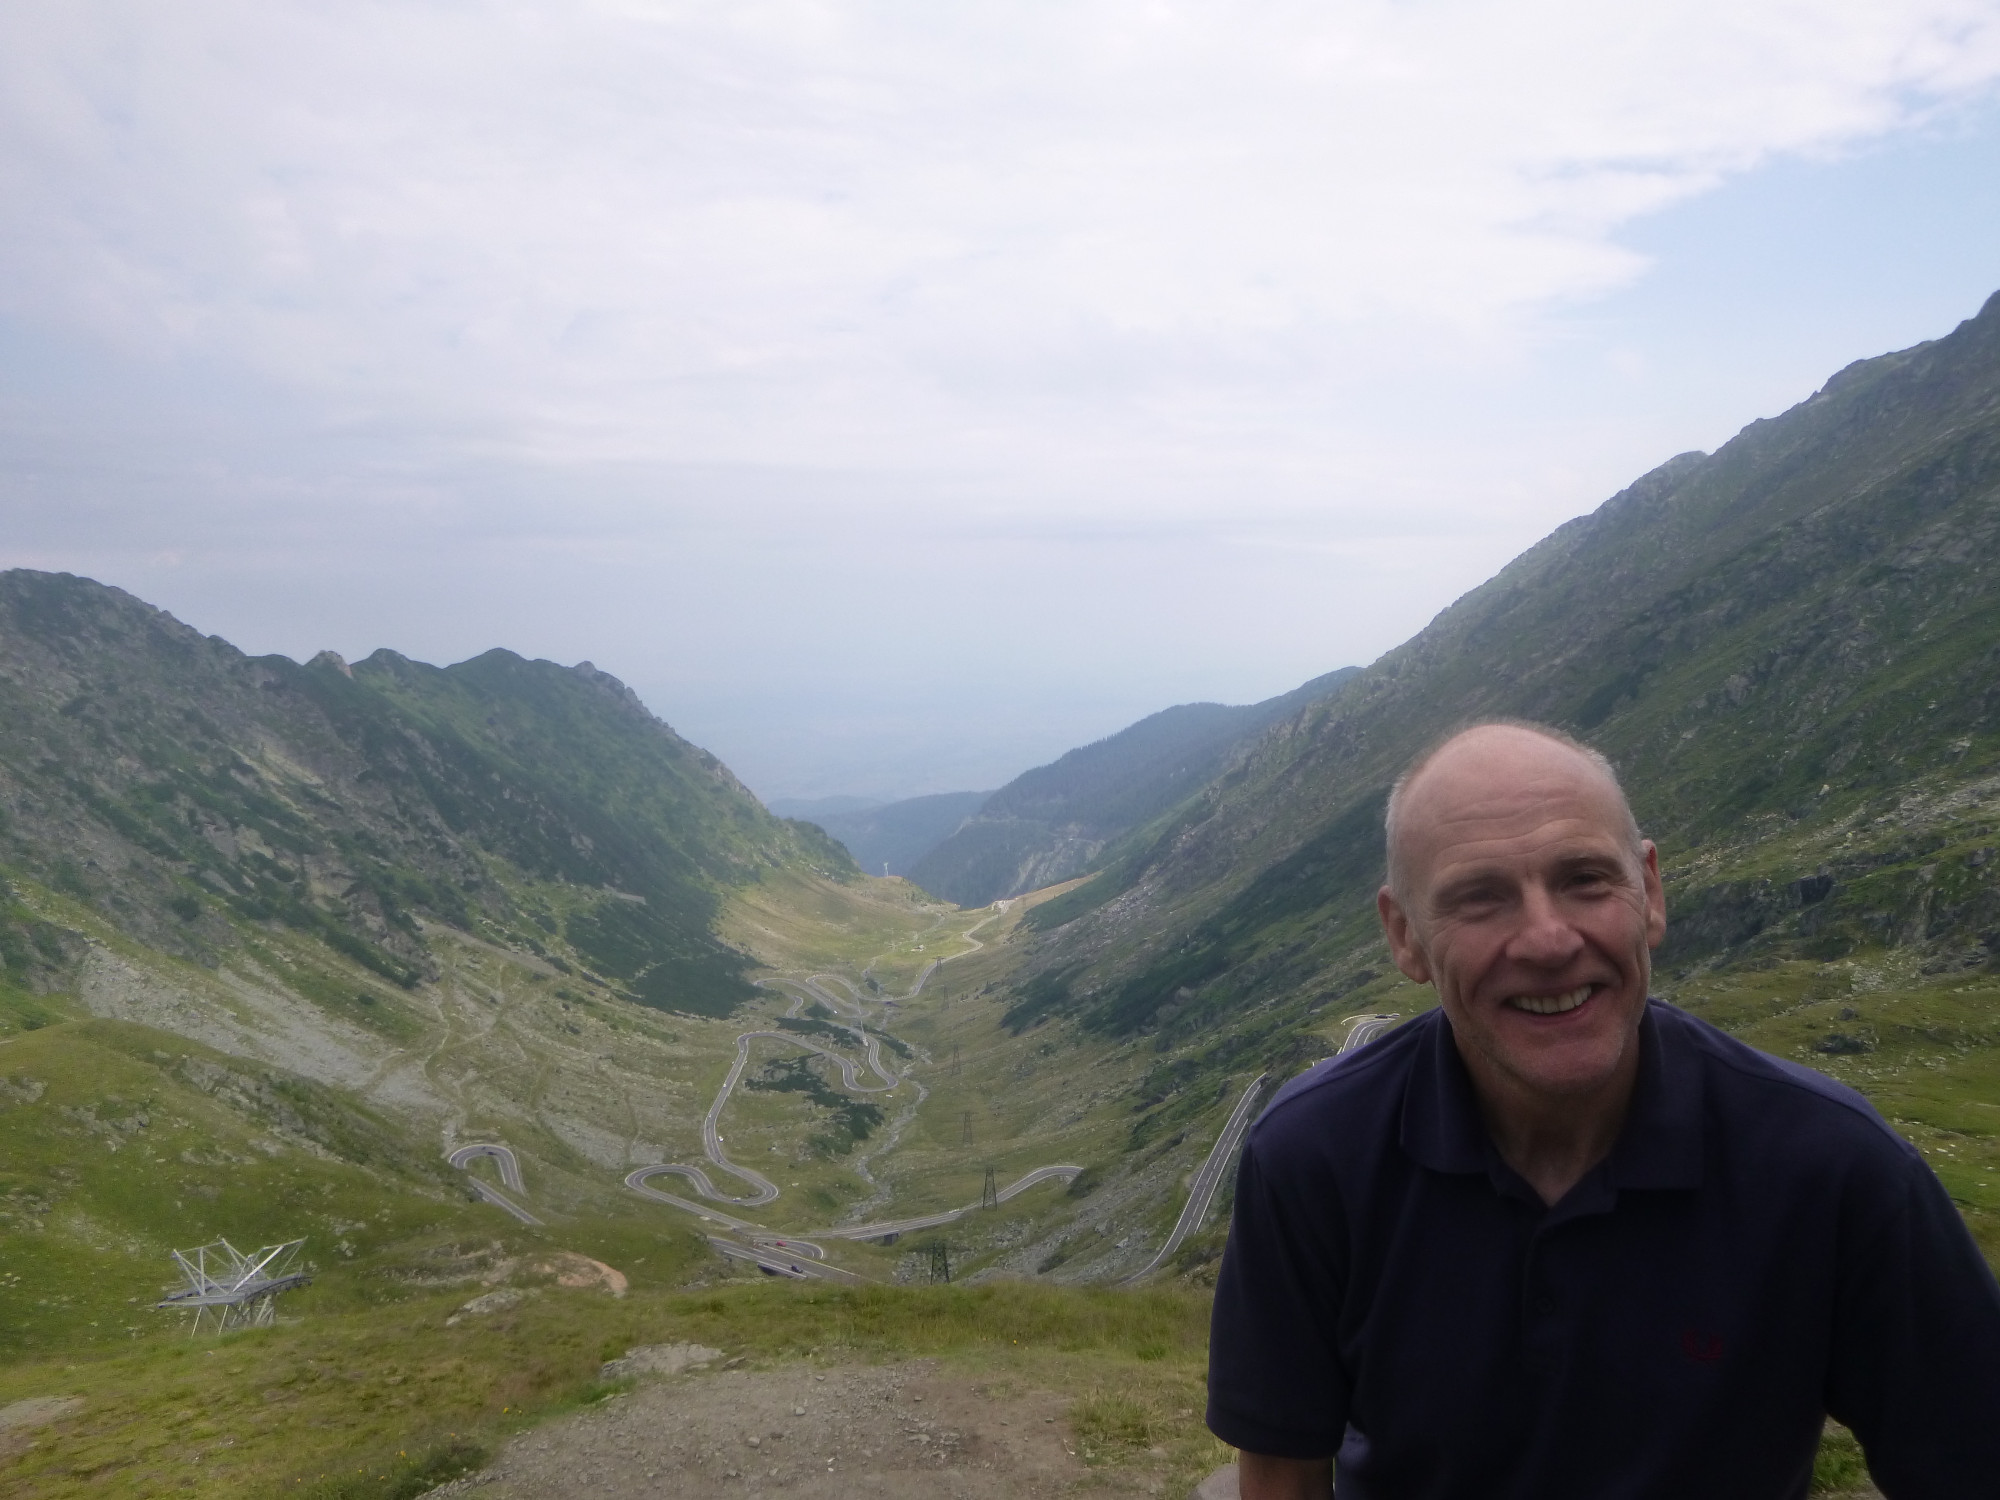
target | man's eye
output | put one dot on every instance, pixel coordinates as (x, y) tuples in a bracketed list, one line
[(1475, 901)]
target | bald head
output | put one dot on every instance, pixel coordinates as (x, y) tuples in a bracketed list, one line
[(1504, 755)]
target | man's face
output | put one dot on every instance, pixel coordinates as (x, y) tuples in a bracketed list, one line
[(1525, 903)]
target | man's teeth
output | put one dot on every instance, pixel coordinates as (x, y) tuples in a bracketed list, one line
[(1551, 1005)]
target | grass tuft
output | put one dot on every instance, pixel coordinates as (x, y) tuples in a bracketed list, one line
[(1838, 1466), (401, 1478), (1107, 1422)]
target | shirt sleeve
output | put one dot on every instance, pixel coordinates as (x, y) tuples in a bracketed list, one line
[(1916, 1350), (1275, 1382)]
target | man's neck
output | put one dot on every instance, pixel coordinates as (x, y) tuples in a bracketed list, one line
[(1552, 1142)]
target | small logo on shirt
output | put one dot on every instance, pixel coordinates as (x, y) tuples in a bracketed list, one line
[(1701, 1348)]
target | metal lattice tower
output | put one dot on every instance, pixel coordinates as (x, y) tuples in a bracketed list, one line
[(954, 1060), (989, 1193), (965, 1128), (228, 1289), (940, 1262)]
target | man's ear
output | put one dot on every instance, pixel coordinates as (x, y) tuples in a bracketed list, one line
[(1402, 936), (1656, 896)]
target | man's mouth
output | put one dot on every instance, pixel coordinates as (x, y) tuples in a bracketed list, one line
[(1551, 1005)]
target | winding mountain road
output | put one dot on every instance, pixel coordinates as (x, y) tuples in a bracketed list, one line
[(784, 1255), (637, 1182), (510, 1174), (1208, 1179), (928, 1221), (763, 1189), (773, 1257), (1361, 1030), (510, 1164)]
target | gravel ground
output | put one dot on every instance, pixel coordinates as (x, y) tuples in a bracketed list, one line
[(899, 1431)]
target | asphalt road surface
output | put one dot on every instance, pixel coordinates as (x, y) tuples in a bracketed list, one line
[(510, 1174), (852, 1007), (636, 1181), (510, 1165), (785, 1263), (1361, 1030), (928, 1221), (763, 1189), (1209, 1178)]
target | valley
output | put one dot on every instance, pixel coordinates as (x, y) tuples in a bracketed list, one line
[(554, 1043), (506, 1000), (550, 1105)]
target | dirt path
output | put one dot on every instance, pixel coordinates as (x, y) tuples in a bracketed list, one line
[(903, 1432)]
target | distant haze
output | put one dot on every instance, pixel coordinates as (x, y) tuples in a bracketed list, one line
[(897, 396)]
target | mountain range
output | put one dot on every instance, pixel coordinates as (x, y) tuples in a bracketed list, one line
[(887, 838), (1051, 823), (271, 932), (180, 788), (1791, 649)]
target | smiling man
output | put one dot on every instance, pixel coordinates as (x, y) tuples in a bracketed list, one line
[(1556, 1240)]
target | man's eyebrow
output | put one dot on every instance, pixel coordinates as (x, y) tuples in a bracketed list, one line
[(1590, 859), (1461, 886), (1472, 882)]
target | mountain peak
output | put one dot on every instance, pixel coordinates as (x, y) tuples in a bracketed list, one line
[(591, 673), (332, 659)]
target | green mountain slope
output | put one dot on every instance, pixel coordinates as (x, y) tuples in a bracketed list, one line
[(120, 1138), (1792, 650), (275, 939), (184, 789), (1050, 824)]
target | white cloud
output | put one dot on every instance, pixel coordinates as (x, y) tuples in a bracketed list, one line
[(888, 233), (1197, 323)]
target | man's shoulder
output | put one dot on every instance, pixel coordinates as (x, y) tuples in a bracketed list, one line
[(1348, 1093), (1742, 1081)]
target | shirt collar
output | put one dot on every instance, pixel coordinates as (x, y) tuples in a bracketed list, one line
[(1660, 1146), (1441, 1126)]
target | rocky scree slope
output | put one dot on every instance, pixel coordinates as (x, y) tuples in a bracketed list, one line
[(183, 789)]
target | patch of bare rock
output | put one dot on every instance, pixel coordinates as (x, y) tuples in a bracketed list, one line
[(903, 1432)]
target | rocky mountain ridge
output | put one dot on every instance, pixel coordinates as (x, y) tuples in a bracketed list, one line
[(1791, 648), (182, 788)]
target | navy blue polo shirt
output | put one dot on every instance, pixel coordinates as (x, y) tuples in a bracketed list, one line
[(1758, 1250)]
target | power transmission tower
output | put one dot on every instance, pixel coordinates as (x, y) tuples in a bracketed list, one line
[(227, 1289), (954, 1061), (965, 1128), (989, 1192), (940, 1262)]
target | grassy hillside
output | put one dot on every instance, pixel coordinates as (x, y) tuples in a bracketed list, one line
[(123, 1137), (389, 1401), (1050, 824), (380, 1383)]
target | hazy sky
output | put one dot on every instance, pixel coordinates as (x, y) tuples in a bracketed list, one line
[(898, 394)]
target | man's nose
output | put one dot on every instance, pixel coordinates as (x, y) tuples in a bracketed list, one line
[(1545, 937)]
